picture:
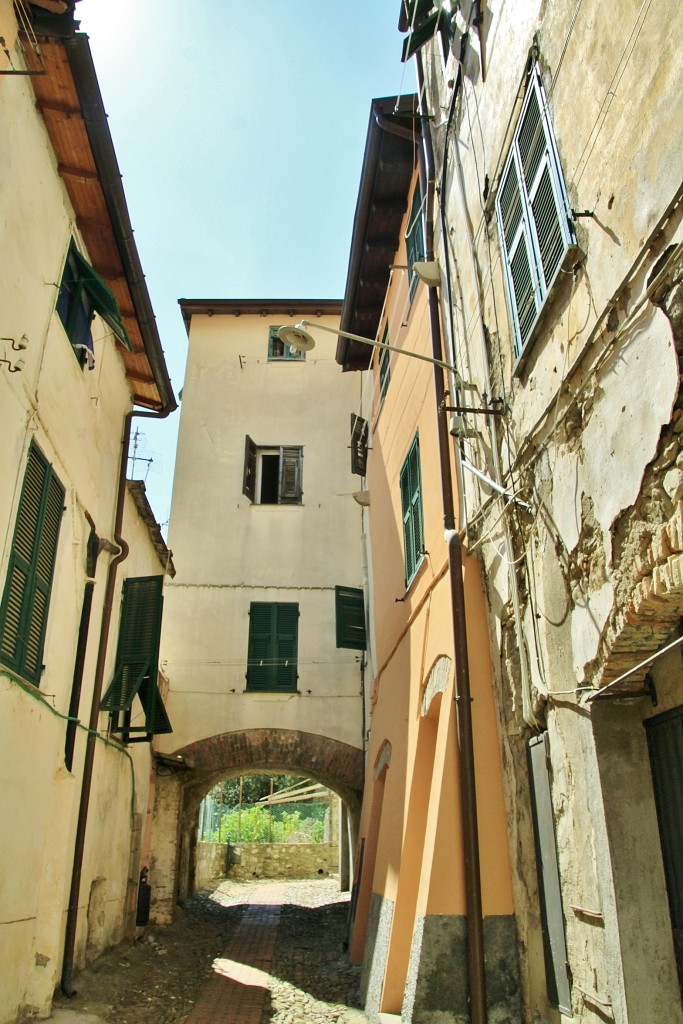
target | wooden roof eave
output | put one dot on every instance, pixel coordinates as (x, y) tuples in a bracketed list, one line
[(70, 103)]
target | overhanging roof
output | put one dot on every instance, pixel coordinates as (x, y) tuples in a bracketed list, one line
[(286, 308), (388, 165), (69, 100)]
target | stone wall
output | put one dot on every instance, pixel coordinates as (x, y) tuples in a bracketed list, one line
[(265, 860)]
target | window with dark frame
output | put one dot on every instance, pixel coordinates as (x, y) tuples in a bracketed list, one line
[(384, 365), (359, 445), (82, 294), (26, 597), (137, 664), (411, 506), (536, 233), (272, 474), (278, 351), (272, 653)]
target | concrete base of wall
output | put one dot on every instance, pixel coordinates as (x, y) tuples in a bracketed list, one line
[(437, 984)]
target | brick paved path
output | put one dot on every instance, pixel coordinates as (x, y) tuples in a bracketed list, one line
[(239, 988)]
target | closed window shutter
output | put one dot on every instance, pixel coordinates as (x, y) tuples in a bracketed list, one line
[(23, 615), (350, 618), (290, 475), (273, 643), (287, 627), (249, 478), (261, 653)]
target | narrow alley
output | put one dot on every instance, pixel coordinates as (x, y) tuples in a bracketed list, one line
[(262, 952)]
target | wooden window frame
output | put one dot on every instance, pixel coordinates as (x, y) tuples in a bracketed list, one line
[(415, 239), (349, 606), (290, 472)]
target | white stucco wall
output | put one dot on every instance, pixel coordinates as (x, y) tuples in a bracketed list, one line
[(76, 418), (230, 552)]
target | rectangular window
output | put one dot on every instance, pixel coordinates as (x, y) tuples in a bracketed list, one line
[(350, 618), (415, 239), (273, 643), (411, 506), (552, 914), (272, 475), (137, 663), (533, 214), (278, 351), (26, 598), (82, 293)]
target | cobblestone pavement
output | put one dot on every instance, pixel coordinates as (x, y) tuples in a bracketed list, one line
[(263, 952)]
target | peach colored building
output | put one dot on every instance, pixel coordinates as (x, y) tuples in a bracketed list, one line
[(427, 875)]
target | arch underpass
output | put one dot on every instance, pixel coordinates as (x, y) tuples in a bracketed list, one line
[(184, 777)]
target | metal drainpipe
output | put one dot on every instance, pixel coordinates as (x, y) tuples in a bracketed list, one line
[(463, 699), (92, 553), (86, 785)]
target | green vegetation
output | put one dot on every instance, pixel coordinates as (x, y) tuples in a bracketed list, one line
[(223, 818)]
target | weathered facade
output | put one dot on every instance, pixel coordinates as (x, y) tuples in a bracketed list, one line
[(73, 535), (263, 528), (556, 137), (428, 881)]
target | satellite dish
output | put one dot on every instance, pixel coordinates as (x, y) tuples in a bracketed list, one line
[(297, 338)]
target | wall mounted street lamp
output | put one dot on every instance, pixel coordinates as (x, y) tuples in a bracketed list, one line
[(299, 338)]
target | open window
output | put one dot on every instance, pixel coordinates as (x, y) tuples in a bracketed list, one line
[(278, 351), (532, 209), (82, 294), (272, 474)]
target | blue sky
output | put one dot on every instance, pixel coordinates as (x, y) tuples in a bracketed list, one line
[(239, 134)]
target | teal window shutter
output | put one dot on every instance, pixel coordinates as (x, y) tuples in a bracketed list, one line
[(273, 646), (26, 598), (350, 618), (411, 506), (137, 660), (415, 240), (532, 210)]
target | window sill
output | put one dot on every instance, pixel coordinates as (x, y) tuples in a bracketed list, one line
[(418, 570), (277, 694)]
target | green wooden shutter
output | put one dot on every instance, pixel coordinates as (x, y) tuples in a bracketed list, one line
[(249, 478), (286, 634), (261, 653), (26, 599), (290, 476), (359, 445), (273, 643), (137, 654), (350, 618), (415, 243), (411, 506)]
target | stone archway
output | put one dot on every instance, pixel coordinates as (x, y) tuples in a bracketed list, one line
[(188, 774)]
